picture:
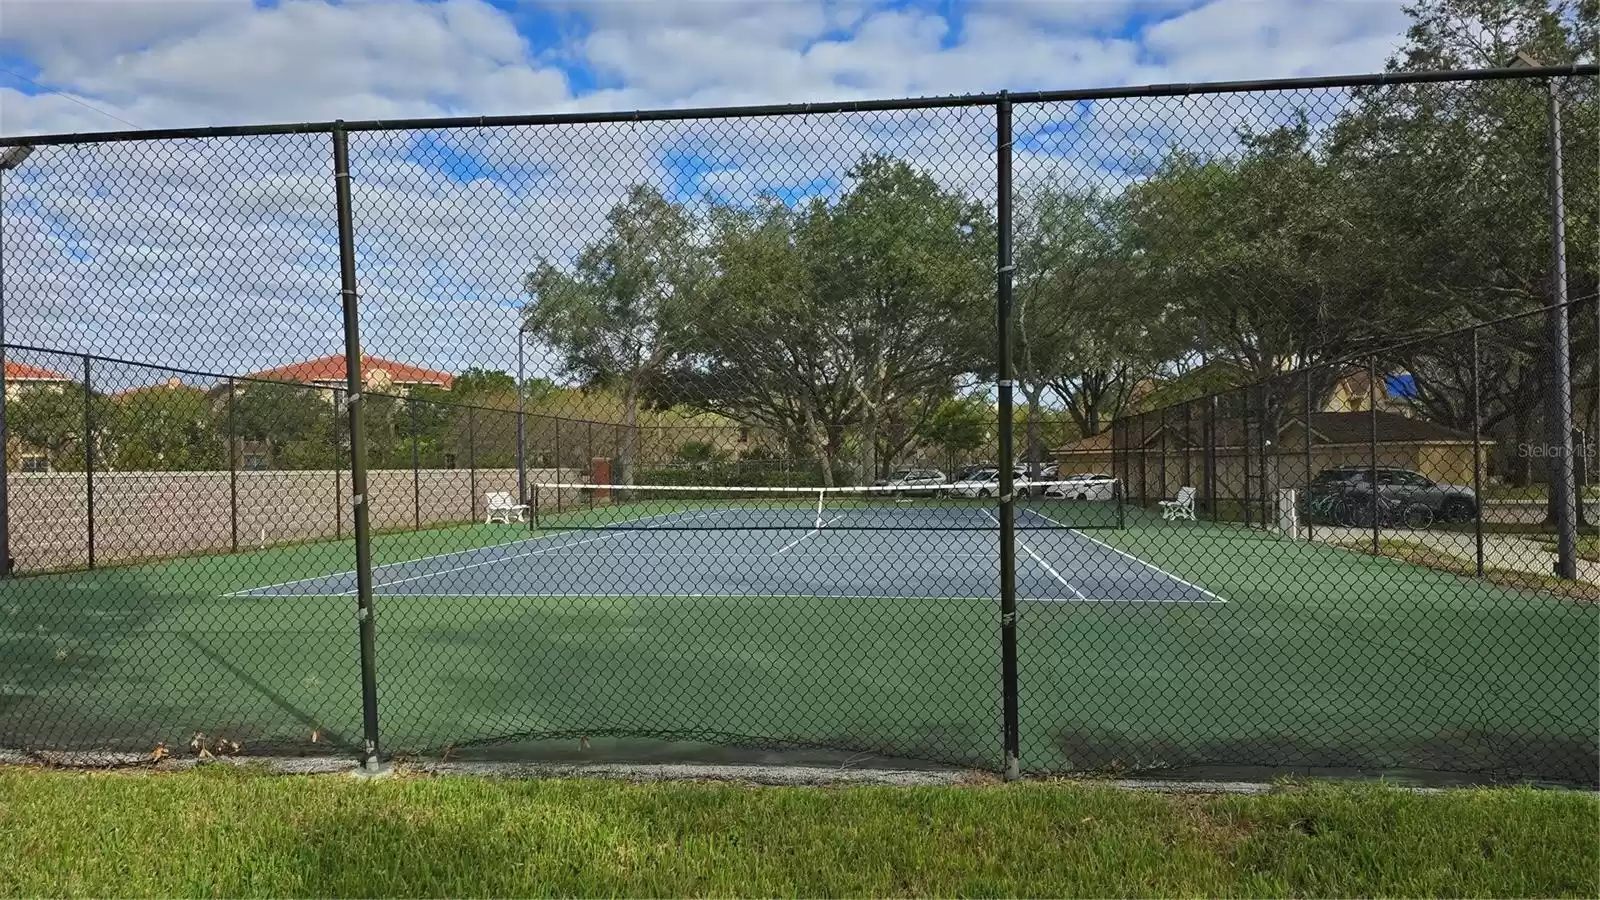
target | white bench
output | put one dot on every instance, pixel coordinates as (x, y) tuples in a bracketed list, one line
[(502, 506), (1180, 508)]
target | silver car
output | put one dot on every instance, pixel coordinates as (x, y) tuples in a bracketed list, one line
[(926, 482), (1095, 486)]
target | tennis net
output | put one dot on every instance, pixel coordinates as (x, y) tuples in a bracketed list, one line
[(585, 506)]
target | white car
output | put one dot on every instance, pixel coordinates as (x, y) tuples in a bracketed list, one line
[(914, 481), (985, 483), (1096, 486)]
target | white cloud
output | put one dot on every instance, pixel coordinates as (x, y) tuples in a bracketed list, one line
[(221, 254)]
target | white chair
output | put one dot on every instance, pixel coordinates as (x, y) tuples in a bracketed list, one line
[(502, 506), (1181, 508)]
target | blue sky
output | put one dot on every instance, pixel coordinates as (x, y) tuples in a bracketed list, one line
[(216, 255)]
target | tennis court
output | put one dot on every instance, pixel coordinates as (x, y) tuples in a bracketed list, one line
[(878, 547), (727, 643)]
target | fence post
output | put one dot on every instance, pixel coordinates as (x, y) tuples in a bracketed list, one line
[(1008, 571), (1188, 443), (1563, 490), (233, 462), (1264, 439), (1208, 454), (472, 464), (88, 452), (1305, 440), (1161, 467), (358, 445), (558, 478), (1247, 502), (416, 468), (1477, 457), (1372, 446), (338, 478)]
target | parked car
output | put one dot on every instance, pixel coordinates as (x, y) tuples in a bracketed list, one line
[(926, 482), (1339, 494), (985, 483), (1093, 486)]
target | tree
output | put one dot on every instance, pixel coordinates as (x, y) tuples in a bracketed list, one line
[(846, 324), (962, 426), (162, 428), (1454, 177), (296, 424), (625, 310), (51, 418)]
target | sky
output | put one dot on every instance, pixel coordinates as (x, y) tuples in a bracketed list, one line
[(220, 255)]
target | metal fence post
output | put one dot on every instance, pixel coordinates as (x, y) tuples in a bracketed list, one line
[(88, 452), (1007, 521), (1161, 467), (416, 468), (233, 462), (1563, 491), (472, 464), (1372, 445), (338, 477), (1477, 457), (1246, 501), (1305, 440), (358, 445)]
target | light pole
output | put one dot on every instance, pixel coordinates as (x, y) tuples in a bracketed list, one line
[(10, 159), (1558, 402)]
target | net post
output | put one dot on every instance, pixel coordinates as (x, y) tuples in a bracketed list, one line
[(233, 462), (1007, 533), (533, 505), (358, 447), (1477, 457), (88, 453)]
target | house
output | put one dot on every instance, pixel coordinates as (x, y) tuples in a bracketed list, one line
[(21, 378), (1168, 457), (380, 375)]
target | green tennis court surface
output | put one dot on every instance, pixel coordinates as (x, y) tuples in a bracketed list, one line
[(1320, 656)]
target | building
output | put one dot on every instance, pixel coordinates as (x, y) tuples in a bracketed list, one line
[(381, 375), (21, 378), (1171, 457)]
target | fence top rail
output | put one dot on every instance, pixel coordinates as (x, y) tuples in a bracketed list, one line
[(1177, 89)]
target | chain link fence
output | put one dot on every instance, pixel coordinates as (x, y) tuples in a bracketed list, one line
[(1125, 430)]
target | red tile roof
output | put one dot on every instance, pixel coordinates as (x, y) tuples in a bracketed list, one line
[(331, 369), (16, 371)]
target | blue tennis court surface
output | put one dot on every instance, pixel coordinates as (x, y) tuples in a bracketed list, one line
[(1058, 565)]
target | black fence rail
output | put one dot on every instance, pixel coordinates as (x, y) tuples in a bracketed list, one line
[(1244, 424)]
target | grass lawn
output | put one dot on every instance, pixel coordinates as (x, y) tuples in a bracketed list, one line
[(1320, 657), (224, 832)]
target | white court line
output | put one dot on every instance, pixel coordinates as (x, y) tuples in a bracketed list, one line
[(1130, 556), (744, 595), (814, 531), (1040, 560), (251, 592)]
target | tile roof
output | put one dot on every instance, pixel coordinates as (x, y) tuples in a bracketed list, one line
[(332, 369), (16, 371)]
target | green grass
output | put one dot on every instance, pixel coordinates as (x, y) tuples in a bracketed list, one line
[(1321, 657), (219, 832)]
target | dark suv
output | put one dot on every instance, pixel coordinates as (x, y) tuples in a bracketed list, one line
[(1335, 492)]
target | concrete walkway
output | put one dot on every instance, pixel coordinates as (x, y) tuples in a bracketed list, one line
[(1500, 551)]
